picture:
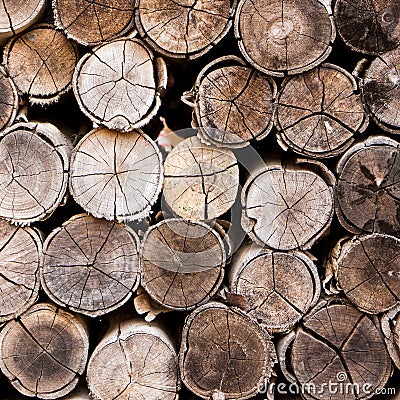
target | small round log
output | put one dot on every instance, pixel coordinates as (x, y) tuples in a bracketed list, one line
[(92, 23), (368, 26), (184, 30), (41, 63), (285, 37), (319, 112), (44, 352), (119, 84), (8, 100), (20, 252), (90, 265), (224, 353), (18, 15), (279, 288), (34, 165), (288, 208), (182, 263), (116, 176), (201, 181), (367, 192), (134, 360)]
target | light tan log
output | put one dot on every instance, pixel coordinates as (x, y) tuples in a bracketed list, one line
[(284, 37), (319, 112), (134, 360), (44, 352), (34, 165), (116, 176), (90, 265), (41, 62), (184, 30), (8, 100), (366, 194), (119, 84), (92, 23), (201, 181)]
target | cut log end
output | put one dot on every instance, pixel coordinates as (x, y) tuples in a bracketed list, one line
[(8, 100)]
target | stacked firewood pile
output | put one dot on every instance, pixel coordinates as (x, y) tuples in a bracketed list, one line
[(199, 198)]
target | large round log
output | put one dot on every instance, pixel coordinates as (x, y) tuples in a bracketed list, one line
[(90, 265), (8, 100), (44, 352)]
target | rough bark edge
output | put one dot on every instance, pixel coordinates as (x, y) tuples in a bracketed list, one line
[(282, 73), (264, 335), (57, 301), (15, 100), (389, 336), (81, 327)]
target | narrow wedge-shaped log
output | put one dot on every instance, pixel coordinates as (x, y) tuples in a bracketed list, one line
[(134, 360), (288, 208), (116, 176), (41, 62), (182, 263), (90, 265), (92, 23), (119, 84), (8, 100), (367, 190), (279, 288), (34, 165), (201, 181), (20, 252), (286, 36), (313, 114), (390, 324), (224, 353), (44, 352), (366, 26), (184, 30)]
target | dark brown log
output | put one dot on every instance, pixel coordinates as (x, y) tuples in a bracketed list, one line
[(286, 36), (8, 100), (90, 265), (44, 352), (41, 62), (184, 30), (224, 353), (367, 198), (287, 208), (182, 263), (368, 26), (34, 165), (201, 181), (119, 84), (232, 103), (279, 288), (390, 324), (116, 176), (134, 360), (319, 112), (92, 23)]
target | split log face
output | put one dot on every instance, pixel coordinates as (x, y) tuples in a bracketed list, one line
[(91, 23), (279, 287), (313, 112), (41, 63), (380, 90), (339, 344), (135, 360), (182, 263), (8, 100), (186, 29), (367, 193), (367, 26), (44, 352), (288, 208), (34, 164), (234, 103), (90, 265), (116, 176), (201, 181), (20, 251), (118, 84), (224, 351), (286, 36)]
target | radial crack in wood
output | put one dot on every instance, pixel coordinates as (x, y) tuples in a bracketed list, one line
[(8, 100)]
